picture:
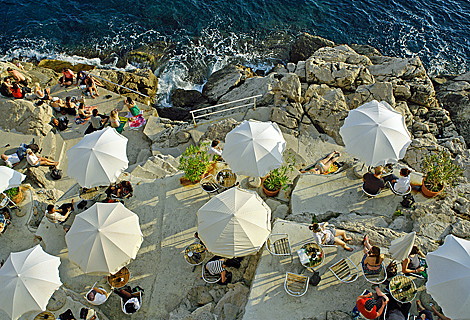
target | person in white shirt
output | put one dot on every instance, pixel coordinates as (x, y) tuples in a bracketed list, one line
[(11, 160), (215, 150), (330, 236), (36, 161), (401, 184)]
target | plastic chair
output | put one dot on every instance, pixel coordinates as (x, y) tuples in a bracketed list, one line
[(295, 285), (396, 193), (344, 271), (375, 278), (209, 278), (209, 185), (278, 244), (369, 195), (137, 295)]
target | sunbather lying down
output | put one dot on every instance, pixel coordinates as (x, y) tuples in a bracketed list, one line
[(324, 164)]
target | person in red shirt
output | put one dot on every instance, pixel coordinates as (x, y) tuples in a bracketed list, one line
[(372, 306), (67, 78), (16, 91)]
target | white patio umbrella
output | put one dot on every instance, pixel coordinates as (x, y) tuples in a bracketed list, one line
[(449, 277), (104, 238), (254, 148), (375, 133), (27, 281), (98, 159), (234, 223), (10, 178), (400, 248)]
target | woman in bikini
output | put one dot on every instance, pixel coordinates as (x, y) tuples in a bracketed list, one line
[(324, 164), (372, 260)]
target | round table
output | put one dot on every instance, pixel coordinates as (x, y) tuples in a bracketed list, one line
[(120, 278), (314, 254), (402, 288), (226, 178), (195, 253), (45, 315)]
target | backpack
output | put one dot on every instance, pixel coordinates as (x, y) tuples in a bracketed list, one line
[(63, 123), (315, 278), (391, 270), (56, 174), (408, 201)]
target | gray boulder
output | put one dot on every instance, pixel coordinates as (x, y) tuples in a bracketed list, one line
[(380, 91), (385, 68), (288, 86), (341, 53), (252, 87), (306, 45), (222, 81), (25, 117)]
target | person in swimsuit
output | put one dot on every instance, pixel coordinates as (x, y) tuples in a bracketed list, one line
[(82, 113), (412, 264), (330, 236), (132, 106), (18, 76), (90, 86), (372, 260), (16, 91), (67, 77), (324, 164)]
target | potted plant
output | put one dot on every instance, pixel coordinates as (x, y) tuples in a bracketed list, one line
[(195, 162), (279, 178), (439, 170), (15, 194)]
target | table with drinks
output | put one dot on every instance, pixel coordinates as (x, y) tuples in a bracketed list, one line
[(226, 178), (195, 253), (311, 255), (402, 288), (120, 278)]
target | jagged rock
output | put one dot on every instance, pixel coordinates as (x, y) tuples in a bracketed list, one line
[(422, 92), (141, 80), (23, 116), (417, 150), (237, 295), (398, 224), (38, 176), (315, 89), (151, 55), (365, 50), (337, 74), (462, 227), (385, 68), (341, 53), (217, 293), (279, 69), (337, 315), (402, 91), (53, 194), (280, 212), (329, 112), (306, 45), (282, 117), (250, 269), (219, 129), (402, 107), (380, 91), (288, 86), (153, 128), (251, 87), (295, 110), (186, 99), (220, 82), (300, 71), (419, 126), (290, 67), (58, 65)]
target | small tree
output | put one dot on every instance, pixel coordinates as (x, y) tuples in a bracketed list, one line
[(440, 170), (194, 162), (278, 178)]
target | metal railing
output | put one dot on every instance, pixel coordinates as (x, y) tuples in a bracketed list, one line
[(225, 104)]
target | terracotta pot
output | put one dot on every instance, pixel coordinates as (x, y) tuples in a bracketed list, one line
[(19, 196), (267, 192), (428, 193)]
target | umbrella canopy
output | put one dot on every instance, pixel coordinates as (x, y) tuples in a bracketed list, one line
[(254, 148), (234, 223), (400, 248), (98, 159), (375, 133), (104, 238), (10, 178), (449, 277), (27, 281)]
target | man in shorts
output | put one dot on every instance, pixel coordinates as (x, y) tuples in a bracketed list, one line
[(19, 77)]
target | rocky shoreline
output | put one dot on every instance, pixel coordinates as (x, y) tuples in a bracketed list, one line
[(309, 98)]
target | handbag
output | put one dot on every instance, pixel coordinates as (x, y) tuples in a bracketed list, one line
[(408, 201)]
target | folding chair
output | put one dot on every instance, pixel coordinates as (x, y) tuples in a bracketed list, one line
[(137, 295), (396, 193), (209, 278), (344, 271), (295, 285), (369, 195), (375, 278), (278, 244), (209, 185), (6, 201)]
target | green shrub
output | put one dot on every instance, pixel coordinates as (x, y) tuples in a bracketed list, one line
[(194, 162), (278, 178), (440, 170), (12, 192)]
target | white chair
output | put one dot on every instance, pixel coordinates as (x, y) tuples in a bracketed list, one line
[(209, 278), (344, 271), (396, 193), (137, 295), (108, 293), (295, 285), (369, 195), (375, 278), (278, 244), (209, 185)]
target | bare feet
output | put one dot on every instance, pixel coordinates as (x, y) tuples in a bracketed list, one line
[(347, 238), (348, 249), (419, 305)]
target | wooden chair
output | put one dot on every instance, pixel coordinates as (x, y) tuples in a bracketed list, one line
[(278, 244), (375, 278), (209, 185), (295, 285), (137, 295), (344, 271), (209, 278)]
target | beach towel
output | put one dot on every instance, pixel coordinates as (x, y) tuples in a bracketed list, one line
[(79, 120), (137, 122)]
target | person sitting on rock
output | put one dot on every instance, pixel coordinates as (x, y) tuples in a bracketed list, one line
[(329, 236), (61, 214), (413, 263), (67, 77), (121, 190), (132, 106), (81, 76), (82, 113), (372, 305), (91, 86), (372, 260), (5, 88), (217, 267), (17, 92), (36, 161), (215, 150), (19, 77), (373, 183), (322, 166), (40, 93)]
